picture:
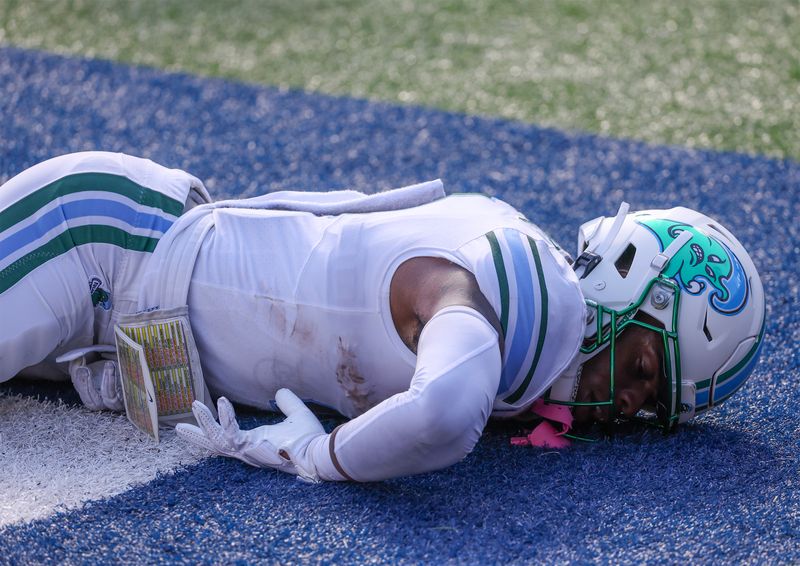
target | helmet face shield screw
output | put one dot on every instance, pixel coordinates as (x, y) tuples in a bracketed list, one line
[(660, 297)]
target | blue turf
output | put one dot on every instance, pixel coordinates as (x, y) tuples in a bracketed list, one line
[(726, 489)]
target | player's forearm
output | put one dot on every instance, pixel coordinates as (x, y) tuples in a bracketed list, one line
[(403, 441), (434, 424)]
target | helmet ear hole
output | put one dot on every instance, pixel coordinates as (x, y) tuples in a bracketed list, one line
[(625, 260)]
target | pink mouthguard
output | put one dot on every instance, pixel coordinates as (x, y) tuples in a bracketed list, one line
[(545, 434)]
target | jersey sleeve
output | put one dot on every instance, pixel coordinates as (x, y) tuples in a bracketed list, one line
[(437, 421)]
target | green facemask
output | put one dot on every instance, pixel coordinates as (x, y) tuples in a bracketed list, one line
[(609, 324)]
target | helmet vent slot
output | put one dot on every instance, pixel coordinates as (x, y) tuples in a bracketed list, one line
[(706, 331), (625, 260)]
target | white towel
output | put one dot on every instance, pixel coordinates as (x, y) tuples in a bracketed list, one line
[(341, 202)]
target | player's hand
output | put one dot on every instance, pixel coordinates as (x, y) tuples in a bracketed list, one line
[(97, 384), (282, 446)]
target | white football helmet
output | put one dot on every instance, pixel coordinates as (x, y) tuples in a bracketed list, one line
[(693, 276)]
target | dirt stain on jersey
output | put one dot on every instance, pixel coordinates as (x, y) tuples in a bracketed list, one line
[(302, 332), (350, 379), (274, 312)]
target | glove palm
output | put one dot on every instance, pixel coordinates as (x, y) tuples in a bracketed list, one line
[(282, 446), (97, 384)]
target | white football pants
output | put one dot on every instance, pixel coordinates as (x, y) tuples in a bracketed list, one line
[(76, 232)]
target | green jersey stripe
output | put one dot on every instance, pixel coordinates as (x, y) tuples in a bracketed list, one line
[(67, 240), (502, 280), (514, 397), (82, 182)]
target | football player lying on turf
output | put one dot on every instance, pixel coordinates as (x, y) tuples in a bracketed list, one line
[(417, 316)]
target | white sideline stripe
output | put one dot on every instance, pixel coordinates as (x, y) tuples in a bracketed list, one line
[(55, 457)]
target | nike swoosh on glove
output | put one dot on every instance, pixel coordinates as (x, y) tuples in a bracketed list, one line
[(283, 446), (97, 384)]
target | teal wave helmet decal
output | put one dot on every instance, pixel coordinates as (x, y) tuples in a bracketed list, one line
[(703, 262)]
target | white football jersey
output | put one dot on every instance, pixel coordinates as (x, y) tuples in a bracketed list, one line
[(289, 299)]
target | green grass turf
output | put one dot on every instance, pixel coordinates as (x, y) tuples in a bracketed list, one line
[(717, 73)]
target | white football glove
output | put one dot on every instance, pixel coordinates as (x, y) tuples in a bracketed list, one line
[(282, 446), (97, 384)]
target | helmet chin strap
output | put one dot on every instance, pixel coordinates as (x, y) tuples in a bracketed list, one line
[(601, 246), (593, 254), (660, 261), (565, 387)]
